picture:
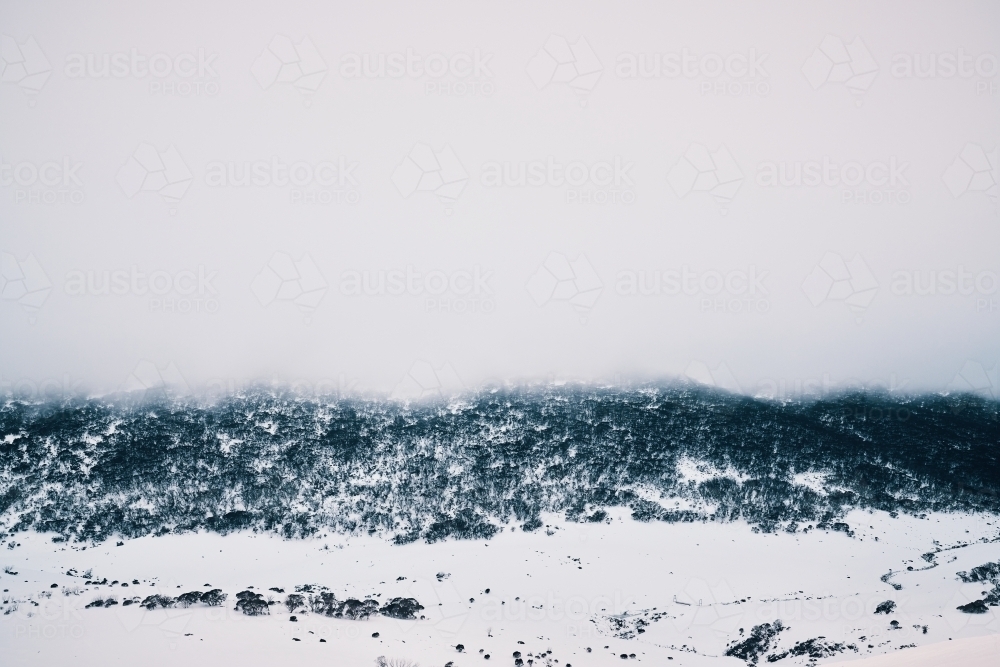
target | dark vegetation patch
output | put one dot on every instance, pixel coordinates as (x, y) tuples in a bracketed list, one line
[(757, 644), (974, 607), (815, 648), (327, 604), (251, 603), (630, 625), (986, 573), (885, 579), (158, 601), (886, 607), (97, 469), (405, 608)]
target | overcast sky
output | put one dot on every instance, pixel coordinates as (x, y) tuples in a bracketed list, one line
[(769, 197)]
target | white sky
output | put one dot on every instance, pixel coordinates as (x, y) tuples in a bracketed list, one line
[(541, 97)]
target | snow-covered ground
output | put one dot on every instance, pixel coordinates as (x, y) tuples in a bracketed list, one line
[(570, 594)]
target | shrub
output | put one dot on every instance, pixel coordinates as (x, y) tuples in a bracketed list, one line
[(886, 607), (986, 572), (213, 598), (532, 524), (154, 601), (295, 601), (101, 602), (251, 604), (750, 649), (974, 607), (325, 603), (404, 608), (188, 599), (358, 610)]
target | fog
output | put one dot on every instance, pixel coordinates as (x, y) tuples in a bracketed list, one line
[(775, 198)]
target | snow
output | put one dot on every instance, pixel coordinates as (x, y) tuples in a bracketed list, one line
[(969, 652), (813, 481), (576, 588), (692, 471)]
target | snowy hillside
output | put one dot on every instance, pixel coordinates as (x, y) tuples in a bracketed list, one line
[(98, 469), (552, 527)]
